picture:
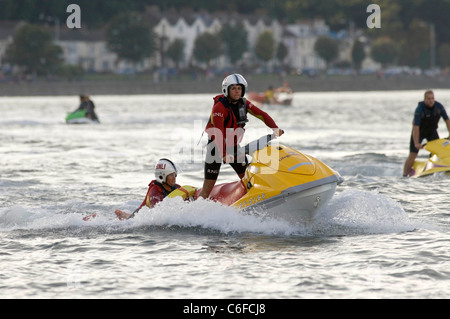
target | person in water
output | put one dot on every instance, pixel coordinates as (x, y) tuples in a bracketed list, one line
[(158, 189), (286, 88), (425, 125), (225, 130), (89, 106)]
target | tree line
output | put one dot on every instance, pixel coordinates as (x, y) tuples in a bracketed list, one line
[(132, 39), (129, 35), (397, 15)]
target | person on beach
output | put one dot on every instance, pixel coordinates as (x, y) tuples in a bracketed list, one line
[(158, 189), (425, 125), (225, 130), (89, 106)]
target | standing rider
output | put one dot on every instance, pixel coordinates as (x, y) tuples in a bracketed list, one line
[(225, 130)]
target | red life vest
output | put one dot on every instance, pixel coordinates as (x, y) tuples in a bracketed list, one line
[(155, 194), (223, 117)]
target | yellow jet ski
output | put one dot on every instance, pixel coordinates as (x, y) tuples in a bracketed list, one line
[(281, 182), (439, 160)]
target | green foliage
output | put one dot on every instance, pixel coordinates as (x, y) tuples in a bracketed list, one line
[(444, 55), (69, 72), (265, 46), (175, 51), (416, 44), (235, 40), (358, 54), (327, 48), (32, 49), (396, 14), (207, 46), (282, 52), (130, 37), (33, 11), (385, 51)]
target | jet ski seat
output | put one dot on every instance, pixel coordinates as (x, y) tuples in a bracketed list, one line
[(228, 193)]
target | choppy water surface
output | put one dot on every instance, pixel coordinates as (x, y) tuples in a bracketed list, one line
[(381, 236)]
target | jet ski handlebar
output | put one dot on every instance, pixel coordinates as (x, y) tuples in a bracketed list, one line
[(258, 144)]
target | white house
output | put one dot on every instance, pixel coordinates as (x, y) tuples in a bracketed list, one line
[(188, 26), (300, 39), (186, 30), (86, 48)]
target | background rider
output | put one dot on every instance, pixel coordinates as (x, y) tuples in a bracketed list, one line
[(425, 125), (89, 106)]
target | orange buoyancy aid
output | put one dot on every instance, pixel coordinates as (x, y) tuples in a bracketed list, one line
[(155, 194)]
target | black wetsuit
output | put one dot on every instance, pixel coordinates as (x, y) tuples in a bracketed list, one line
[(427, 118)]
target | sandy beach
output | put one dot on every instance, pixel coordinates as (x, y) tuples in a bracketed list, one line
[(201, 85)]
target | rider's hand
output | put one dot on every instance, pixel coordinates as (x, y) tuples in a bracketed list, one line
[(278, 132)]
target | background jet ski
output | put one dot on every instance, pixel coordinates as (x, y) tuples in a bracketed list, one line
[(439, 160), (79, 117), (84, 114)]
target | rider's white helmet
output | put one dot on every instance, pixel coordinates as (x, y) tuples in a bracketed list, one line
[(234, 79), (163, 168)]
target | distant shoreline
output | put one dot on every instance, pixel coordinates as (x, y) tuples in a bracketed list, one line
[(256, 83)]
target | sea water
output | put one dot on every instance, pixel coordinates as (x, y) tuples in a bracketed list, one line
[(381, 235)]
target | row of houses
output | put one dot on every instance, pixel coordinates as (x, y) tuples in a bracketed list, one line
[(88, 48)]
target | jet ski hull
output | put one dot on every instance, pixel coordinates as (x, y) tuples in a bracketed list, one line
[(83, 120), (301, 206), (79, 117)]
